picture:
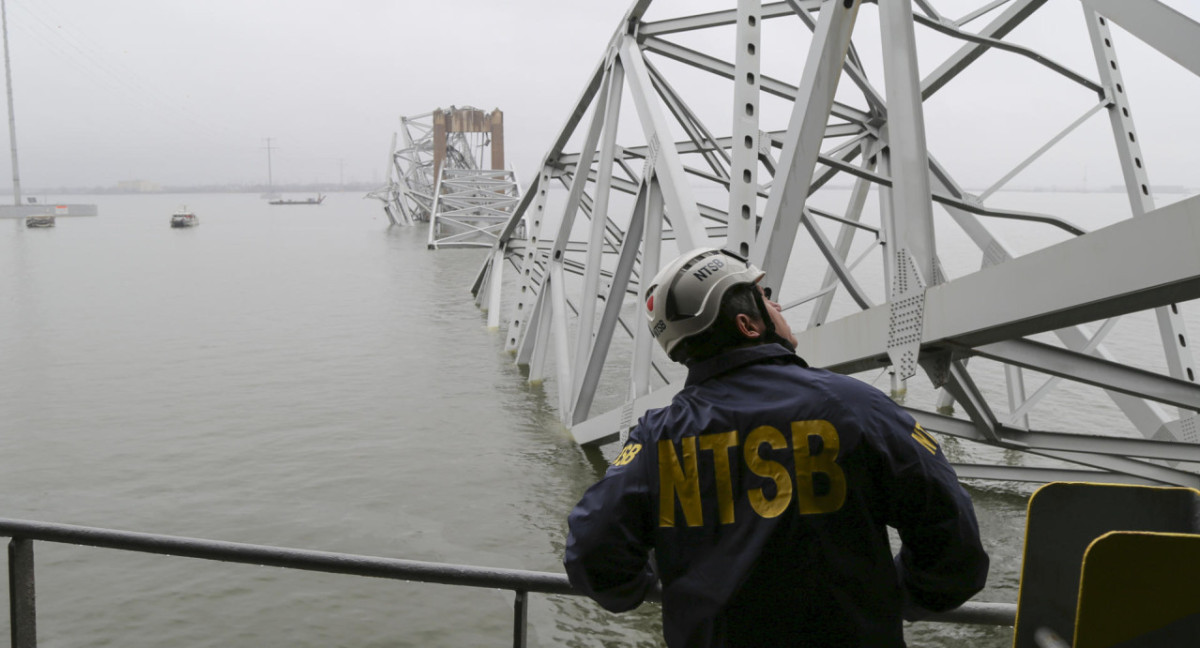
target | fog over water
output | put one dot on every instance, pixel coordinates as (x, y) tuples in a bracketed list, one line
[(309, 377), (302, 377), (185, 94)]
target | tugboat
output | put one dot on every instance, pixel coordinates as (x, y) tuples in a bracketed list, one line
[(184, 218), (40, 220)]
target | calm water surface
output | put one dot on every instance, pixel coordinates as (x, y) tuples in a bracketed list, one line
[(304, 377)]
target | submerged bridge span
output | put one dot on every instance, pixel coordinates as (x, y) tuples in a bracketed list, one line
[(826, 148), (449, 172)]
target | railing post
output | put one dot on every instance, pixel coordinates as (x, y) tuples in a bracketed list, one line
[(520, 616), (22, 611)]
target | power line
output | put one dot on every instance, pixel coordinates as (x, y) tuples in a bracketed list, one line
[(86, 59)]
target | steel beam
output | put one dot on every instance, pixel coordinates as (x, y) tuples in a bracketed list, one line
[(598, 349), (494, 293), (953, 31), (960, 383), (1013, 439), (727, 70), (1091, 370), (1156, 24), (743, 188), (858, 199), (1147, 262), (585, 338), (1126, 267), (651, 262), (1016, 14), (1085, 450), (1042, 475), (664, 161), (836, 260), (818, 84), (911, 207), (853, 68), (720, 18), (1172, 330), (703, 141)]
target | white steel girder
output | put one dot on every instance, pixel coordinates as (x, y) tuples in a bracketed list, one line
[(389, 194), (471, 206), (714, 164), (465, 204), (410, 192)]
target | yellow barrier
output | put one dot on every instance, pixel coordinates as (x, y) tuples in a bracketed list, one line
[(1140, 589), (1063, 521)]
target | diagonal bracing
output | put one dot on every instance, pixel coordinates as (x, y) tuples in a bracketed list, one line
[(471, 206), (798, 133), (454, 138)]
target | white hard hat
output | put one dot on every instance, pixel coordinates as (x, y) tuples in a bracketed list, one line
[(684, 298)]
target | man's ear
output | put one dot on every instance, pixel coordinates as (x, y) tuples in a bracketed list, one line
[(749, 327)]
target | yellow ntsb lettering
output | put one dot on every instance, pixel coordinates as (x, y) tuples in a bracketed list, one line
[(772, 470), (817, 480), (921, 436), (719, 445), (678, 479), (627, 454), (820, 482)]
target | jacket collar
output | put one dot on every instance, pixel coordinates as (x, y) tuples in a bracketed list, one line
[(730, 360)]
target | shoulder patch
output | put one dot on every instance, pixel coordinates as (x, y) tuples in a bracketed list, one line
[(922, 437), (627, 454)]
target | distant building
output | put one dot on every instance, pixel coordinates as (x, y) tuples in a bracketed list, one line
[(138, 186)]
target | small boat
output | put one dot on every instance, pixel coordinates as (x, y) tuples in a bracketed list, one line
[(307, 201), (184, 218), (39, 220)]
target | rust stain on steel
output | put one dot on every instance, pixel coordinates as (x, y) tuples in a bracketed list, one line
[(467, 120)]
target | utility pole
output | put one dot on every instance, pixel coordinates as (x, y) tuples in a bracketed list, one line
[(12, 121), (270, 186)]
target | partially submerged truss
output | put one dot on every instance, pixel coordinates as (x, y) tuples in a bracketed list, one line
[(826, 180), (455, 150), (471, 206), (408, 195)]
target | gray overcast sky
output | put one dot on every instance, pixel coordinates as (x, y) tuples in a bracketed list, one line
[(186, 92)]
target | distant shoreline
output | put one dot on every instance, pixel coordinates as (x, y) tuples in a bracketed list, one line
[(254, 189), (368, 187)]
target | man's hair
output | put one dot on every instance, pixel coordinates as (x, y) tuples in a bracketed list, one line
[(723, 335)]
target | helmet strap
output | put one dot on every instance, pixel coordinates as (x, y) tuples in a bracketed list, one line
[(769, 335)]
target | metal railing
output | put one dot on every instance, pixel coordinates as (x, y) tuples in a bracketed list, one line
[(23, 614)]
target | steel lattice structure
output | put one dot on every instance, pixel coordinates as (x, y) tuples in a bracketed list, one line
[(440, 177), (408, 196), (471, 206), (866, 282)]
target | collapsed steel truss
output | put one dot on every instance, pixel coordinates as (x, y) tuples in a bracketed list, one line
[(867, 291), (471, 206), (409, 194), (439, 177)]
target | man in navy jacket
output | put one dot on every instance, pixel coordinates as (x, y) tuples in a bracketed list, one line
[(761, 495)]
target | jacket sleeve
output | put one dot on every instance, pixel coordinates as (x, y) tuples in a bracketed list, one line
[(941, 562), (610, 536)]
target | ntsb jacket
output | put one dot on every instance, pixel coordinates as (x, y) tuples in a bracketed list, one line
[(765, 490)]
